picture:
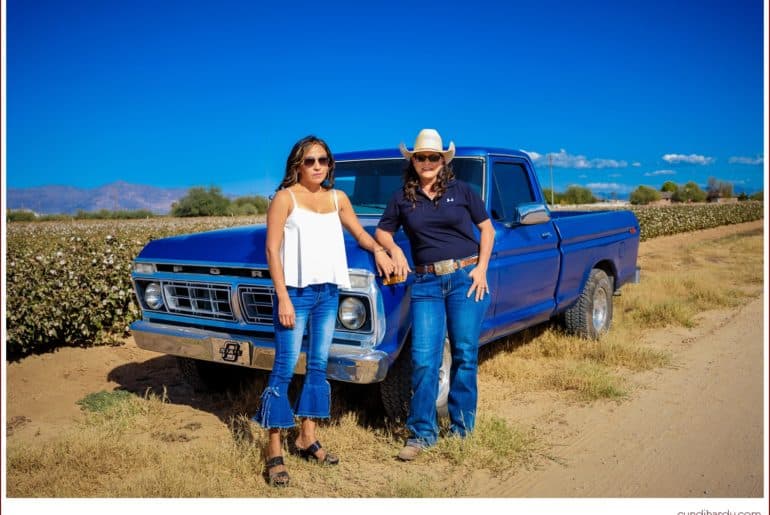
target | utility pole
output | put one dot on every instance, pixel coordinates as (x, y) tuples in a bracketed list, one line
[(550, 166)]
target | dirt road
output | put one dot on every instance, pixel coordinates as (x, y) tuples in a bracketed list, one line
[(692, 430)]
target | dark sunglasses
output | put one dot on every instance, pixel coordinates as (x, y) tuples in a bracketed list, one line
[(310, 161), (433, 158)]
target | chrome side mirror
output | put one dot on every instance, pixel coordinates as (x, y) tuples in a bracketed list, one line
[(531, 214)]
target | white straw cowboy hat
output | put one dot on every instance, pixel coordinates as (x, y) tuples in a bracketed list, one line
[(429, 140)]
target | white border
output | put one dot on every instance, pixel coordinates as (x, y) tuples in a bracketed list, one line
[(612, 506), (3, 109)]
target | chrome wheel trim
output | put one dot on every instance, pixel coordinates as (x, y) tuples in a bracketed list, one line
[(600, 305)]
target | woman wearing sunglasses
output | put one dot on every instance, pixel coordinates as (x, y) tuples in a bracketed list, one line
[(307, 262), (450, 293)]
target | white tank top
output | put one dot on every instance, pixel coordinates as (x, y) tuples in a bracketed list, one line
[(313, 250)]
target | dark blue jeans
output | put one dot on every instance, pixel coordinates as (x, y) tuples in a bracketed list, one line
[(440, 305), (315, 307)]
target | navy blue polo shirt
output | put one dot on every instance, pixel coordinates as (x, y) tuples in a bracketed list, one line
[(437, 231)]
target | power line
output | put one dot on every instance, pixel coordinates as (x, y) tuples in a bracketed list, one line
[(550, 166)]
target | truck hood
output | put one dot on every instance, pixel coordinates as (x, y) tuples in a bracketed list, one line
[(242, 247)]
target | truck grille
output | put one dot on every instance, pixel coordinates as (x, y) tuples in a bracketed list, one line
[(257, 304), (199, 299)]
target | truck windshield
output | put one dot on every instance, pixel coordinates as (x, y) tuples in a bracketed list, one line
[(370, 183)]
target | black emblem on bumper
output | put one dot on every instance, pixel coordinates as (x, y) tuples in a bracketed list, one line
[(231, 351)]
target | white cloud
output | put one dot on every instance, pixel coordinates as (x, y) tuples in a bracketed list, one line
[(693, 159), (534, 156), (660, 172), (747, 160), (615, 175), (562, 159), (636, 164)]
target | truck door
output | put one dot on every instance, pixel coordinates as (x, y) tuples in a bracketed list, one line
[(525, 262)]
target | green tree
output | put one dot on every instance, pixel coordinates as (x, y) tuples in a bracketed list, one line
[(19, 215), (644, 195), (690, 192), (251, 205), (556, 196), (202, 202), (669, 186), (760, 195), (243, 209), (577, 195), (718, 189)]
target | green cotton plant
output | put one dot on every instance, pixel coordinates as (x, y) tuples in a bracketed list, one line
[(657, 221), (68, 282)]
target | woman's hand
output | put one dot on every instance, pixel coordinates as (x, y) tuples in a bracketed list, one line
[(401, 266), (479, 286), (286, 313), (385, 265)]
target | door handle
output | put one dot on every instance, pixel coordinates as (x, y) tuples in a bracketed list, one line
[(545, 235)]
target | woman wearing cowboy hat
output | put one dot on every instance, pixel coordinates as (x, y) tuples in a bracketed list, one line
[(450, 293)]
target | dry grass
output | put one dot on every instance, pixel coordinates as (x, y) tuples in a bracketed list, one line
[(494, 443), (723, 274), (130, 446)]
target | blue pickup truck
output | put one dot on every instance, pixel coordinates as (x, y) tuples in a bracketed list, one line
[(207, 298)]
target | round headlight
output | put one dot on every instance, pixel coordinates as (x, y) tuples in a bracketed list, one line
[(153, 296), (352, 313)]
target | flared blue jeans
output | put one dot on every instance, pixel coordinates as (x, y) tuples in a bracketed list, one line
[(315, 307)]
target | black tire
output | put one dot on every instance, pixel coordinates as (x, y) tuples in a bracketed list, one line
[(205, 376), (591, 316), (396, 388)]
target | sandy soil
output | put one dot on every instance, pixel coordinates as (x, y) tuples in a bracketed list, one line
[(692, 430), (695, 430)]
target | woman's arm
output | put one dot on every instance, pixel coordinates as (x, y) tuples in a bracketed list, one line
[(277, 213), (353, 225), (479, 273)]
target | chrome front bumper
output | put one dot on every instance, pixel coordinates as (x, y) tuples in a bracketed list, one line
[(346, 363)]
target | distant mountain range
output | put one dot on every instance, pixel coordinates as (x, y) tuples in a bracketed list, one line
[(116, 196)]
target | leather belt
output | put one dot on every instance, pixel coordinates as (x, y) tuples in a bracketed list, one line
[(446, 266)]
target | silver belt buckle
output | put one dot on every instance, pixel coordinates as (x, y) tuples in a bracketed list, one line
[(444, 267)]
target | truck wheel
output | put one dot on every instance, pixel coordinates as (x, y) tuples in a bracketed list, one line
[(396, 389), (591, 315), (205, 376)]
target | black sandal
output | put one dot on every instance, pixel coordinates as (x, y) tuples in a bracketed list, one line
[(309, 454), (279, 479)]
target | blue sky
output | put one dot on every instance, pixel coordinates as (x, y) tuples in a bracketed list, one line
[(189, 93)]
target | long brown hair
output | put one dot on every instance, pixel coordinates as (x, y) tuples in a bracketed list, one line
[(412, 181), (297, 154)]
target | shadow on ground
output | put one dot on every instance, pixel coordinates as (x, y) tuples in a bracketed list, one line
[(240, 397), (236, 400)]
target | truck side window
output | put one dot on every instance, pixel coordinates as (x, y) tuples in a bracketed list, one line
[(510, 187), (470, 171)]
